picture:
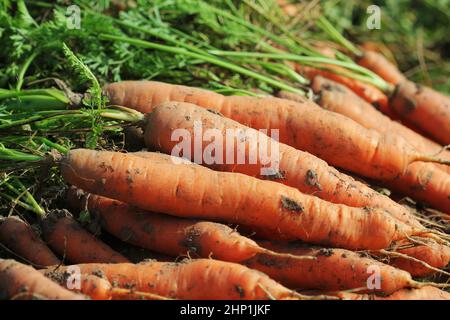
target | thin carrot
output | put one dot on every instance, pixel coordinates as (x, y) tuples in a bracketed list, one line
[(95, 286), (434, 254), (166, 234), (338, 98), (71, 240), (425, 293), (332, 137), (366, 91), (197, 192), (423, 107), (434, 178), (194, 279), (21, 281), (377, 63), (296, 168), (333, 269), (426, 183), (19, 237)]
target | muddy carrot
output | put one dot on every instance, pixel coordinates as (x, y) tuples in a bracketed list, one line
[(194, 191), (20, 238), (69, 239)]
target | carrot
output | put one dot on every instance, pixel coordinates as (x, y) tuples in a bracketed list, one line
[(193, 279), (333, 269), (434, 254), (435, 178), (423, 107), (425, 293), (332, 137), (297, 169), (366, 91), (338, 98), (69, 239), (166, 234), (196, 192), (18, 280), (381, 66), (96, 286), (426, 183), (19, 237)]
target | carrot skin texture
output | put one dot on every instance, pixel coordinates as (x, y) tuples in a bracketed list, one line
[(196, 192), (425, 108), (366, 91), (93, 286), (334, 269), (167, 234), (335, 138), (17, 279), (195, 279), (422, 181), (425, 293), (19, 237), (296, 168), (433, 253), (68, 238), (381, 66)]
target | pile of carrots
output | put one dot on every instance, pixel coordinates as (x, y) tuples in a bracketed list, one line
[(312, 229)]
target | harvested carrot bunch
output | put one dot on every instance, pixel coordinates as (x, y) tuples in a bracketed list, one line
[(234, 150)]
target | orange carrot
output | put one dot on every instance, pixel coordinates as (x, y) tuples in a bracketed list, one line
[(20, 281), (333, 269), (434, 254), (366, 91), (194, 279), (69, 239), (425, 108), (305, 126), (426, 183), (95, 286), (338, 98), (377, 63), (166, 234), (18, 236), (297, 169), (196, 192), (425, 293), (434, 178)]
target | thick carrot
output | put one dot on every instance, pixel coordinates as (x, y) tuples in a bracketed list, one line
[(194, 279), (423, 107), (295, 168), (18, 280), (305, 126), (71, 240), (197, 192), (377, 63), (333, 269), (425, 293), (166, 234), (96, 286), (20, 238), (434, 254)]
